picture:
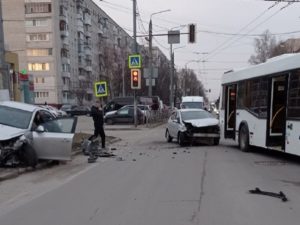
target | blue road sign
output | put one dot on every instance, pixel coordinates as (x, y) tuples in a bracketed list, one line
[(134, 61), (101, 89)]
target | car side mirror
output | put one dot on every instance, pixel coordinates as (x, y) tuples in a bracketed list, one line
[(40, 129)]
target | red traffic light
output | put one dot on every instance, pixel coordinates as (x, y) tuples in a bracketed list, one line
[(135, 78)]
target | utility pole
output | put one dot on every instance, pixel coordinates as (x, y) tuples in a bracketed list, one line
[(171, 77), (150, 59), (150, 51), (2, 63)]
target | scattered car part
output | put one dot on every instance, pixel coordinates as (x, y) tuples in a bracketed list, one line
[(280, 195)]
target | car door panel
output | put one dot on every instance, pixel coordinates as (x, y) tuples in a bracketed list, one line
[(56, 142)]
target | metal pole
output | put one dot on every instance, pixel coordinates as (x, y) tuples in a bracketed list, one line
[(171, 77), (2, 70), (150, 59), (135, 51)]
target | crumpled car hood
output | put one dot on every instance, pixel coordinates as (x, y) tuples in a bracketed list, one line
[(7, 132), (203, 122)]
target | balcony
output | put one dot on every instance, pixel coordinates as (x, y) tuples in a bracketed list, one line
[(65, 42), (65, 60), (64, 33), (88, 33), (87, 19), (89, 68), (79, 3), (81, 77), (66, 87), (66, 74), (87, 51), (81, 65), (80, 26), (63, 17)]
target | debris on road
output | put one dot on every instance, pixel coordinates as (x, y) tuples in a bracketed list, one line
[(134, 160), (280, 195), (174, 153), (113, 149), (119, 159)]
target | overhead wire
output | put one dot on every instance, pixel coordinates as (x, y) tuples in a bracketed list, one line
[(264, 21), (243, 28)]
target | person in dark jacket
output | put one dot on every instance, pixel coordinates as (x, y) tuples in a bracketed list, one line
[(97, 114)]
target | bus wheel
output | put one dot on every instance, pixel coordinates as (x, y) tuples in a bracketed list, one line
[(244, 139)]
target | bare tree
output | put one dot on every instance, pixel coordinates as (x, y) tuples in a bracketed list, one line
[(288, 46), (264, 48)]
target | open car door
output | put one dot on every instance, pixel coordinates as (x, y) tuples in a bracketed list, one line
[(53, 139)]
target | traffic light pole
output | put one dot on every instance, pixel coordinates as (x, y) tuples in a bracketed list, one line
[(135, 51)]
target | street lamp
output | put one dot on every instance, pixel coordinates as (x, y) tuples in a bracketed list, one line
[(150, 50), (172, 75)]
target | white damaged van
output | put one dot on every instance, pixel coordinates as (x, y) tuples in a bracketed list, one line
[(192, 102)]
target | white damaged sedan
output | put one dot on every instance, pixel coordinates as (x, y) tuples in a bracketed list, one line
[(188, 125), (29, 133)]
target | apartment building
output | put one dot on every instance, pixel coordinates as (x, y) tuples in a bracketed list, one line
[(66, 45)]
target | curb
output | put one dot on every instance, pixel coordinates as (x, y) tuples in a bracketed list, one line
[(19, 171), (13, 174), (78, 150)]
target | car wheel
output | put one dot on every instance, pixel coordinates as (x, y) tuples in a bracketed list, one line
[(168, 137), (216, 141), (244, 139), (181, 139), (28, 156), (109, 121)]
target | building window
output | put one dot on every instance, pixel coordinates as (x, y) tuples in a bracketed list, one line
[(42, 94), (66, 68), (38, 37), (37, 8), (39, 52), (39, 80), (38, 66), (37, 23)]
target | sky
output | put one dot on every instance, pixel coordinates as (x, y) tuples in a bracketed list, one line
[(226, 30)]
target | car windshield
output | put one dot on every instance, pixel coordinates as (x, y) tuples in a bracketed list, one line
[(14, 117), (142, 107), (193, 115), (192, 105)]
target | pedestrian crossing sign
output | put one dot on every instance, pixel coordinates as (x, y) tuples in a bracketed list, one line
[(101, 89), (134, 61)]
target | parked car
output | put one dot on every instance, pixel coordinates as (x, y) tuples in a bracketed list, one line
[(124, 115), (187, 125), (55, 111), (73, 110), (144, 108), (117, 103), (29, 133)]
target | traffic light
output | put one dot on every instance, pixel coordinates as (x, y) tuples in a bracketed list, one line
[(192, 33), (135, 79)]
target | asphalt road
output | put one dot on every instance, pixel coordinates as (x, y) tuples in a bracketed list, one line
[(159, 183)]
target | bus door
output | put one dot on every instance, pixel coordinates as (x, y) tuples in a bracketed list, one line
[(277, 113), (230, 111)]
